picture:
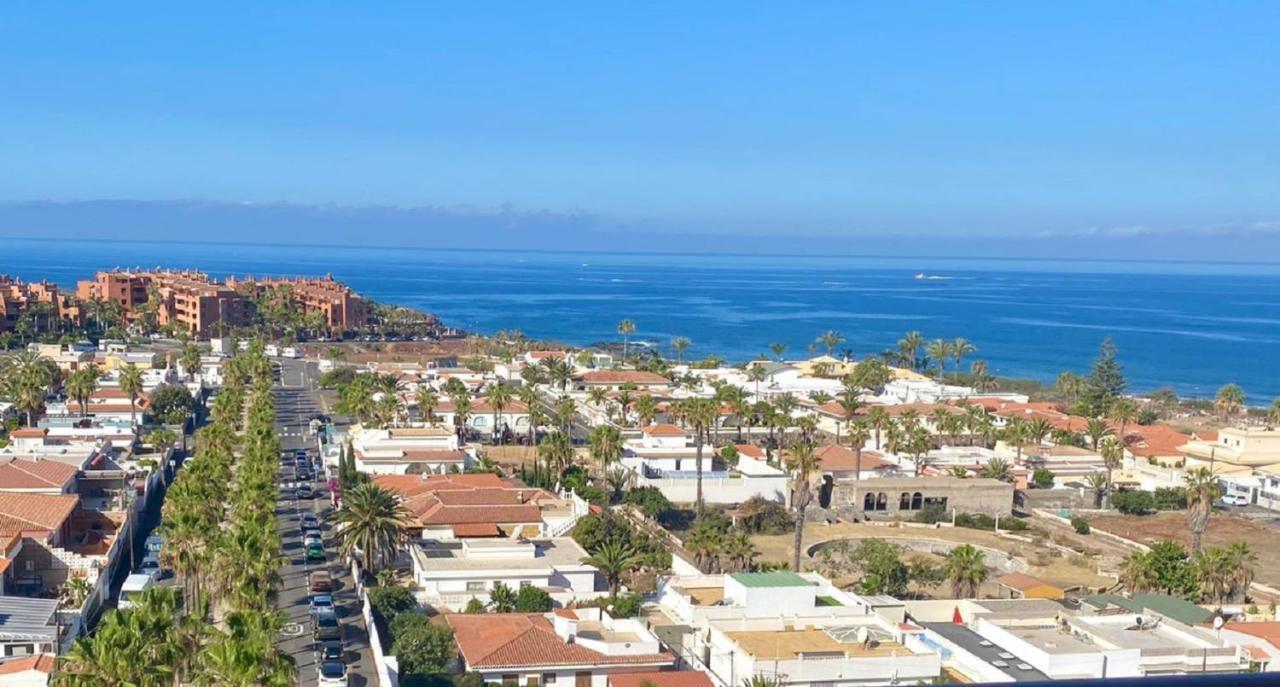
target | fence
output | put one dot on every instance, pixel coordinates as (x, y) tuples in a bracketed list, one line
[(387, 667)]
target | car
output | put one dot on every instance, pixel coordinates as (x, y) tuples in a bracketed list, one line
[(150, 566), (320, 582), (321, 603), (312, 540), (1235, 500), (326, 626), (333, 650), (310, 533), (304, 475), (304, 491), (310, 521), (154, 543), (332, 674), (315, 552)]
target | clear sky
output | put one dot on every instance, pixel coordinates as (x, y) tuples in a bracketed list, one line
[(836, 119)]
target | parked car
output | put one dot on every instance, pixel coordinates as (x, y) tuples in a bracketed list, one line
[(1235, 500), (304, 475), (150, 566), (310, 532), (333, 650), (321, 603), (154, 543), (312, 540), (315, 551), (304, 491), (320, 582), (332, 674), (326, 626), (310, 521)]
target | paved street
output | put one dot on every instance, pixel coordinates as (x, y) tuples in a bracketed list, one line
[(296, 404)]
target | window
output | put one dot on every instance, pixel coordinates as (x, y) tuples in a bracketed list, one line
[(479, 421), (882, 501), (19, 650), (531, 681), (525, 583), (510, 679), (548, 678), (904, 501), (869, 502), (917, 500), (475, 586)]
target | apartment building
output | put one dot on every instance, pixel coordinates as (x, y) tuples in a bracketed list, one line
[(17, 298), (188, 299), (342, 309)]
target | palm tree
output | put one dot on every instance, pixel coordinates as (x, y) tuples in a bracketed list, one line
[(556, 449), (831, 338), (700, 413), (996, 468), (24, 379), (777, 348), (1211, 569), (1243, 563), (679, 345), (81, 384), (1099, 483), (1037, 430), (606, 446), (1273, 412), (1138, 574), (960, 349), (740, 552), (909, 347), (980, 378), (859, 435), (938, 351), (612, 559), (373, 521), (427, 400), (878, 419), (1202, 491), (189, 359), (131, 385), (1123, 411), (966, 570), (1015, 432), (802, 463), (499, 397), (1097, 430), (756, 373), (566, 410), (762, 680), (626, 328), (646, 407), (918, 444), (1071, 386), (1112, 453), (1230, 401)]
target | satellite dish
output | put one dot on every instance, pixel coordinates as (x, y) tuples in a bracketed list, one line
[(1218, 622)]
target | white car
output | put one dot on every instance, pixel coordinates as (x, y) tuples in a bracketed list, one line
[(1235, 500), (332, 674)]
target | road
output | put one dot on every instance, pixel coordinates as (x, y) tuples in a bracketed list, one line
[(296, 403)]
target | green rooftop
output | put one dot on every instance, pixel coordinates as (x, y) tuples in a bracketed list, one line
[(1168, 606), (771, 579)]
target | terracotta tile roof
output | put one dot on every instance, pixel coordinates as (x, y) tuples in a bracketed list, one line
[(413, 485), (436, 513), (750, 451), (842, 458), (479, 529), (1268, 632), (1154, 440), (42, 663), (29, 433), (665, 430), (661, 678), (18, 473), (622, 377), (509, 640), (20, 511), (924, 410)]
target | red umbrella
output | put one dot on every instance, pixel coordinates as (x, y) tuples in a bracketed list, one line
[(956, 617)]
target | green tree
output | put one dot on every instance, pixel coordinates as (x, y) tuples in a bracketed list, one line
[(423, 648), (831, 339), (1229, 401), (802, 464), (81, 384), (1106, 380), (625, 329), (531, 599), (612, 559), (680, 344), (700, 413), (374, 522), (966, 570), (606, 447), (777, 348), (1202, 491), (189, 359), (1042, 478), (131, 385)]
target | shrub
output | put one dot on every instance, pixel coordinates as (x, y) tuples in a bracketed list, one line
[(762, 516), (1170, 498), (1080, 524), (421, 647), (533, 599), (171, 403), (1042, 478), (1133, 502), (650, 500), (934, 512), (627, 606), (475, 606), (388, 602)]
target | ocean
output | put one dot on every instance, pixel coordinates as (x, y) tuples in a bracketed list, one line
[(1190, 326)]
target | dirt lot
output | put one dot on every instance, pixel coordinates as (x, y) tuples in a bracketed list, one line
[(1223, 529), (1045, 563)]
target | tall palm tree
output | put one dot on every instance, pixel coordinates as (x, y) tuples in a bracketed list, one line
[(756, 373), (556, 449), (960, 349), (1273, 412), (1202, 491), (831, 338), (613, 559), (131, 385), (909, 346), (700, 413), (680, 344), (1229, 401), (1015, 432), (1211, 569), (878, 419), (1123, 411), (646, 408), (980, 378), (81, 384), (1112, 453), (938, 351), (566, 410), (427, 400), (859, 435), (1137, 573), (1097, 430), (189, 359), (25, 378), (626, 328), (1071, 386), (996, 468), (802, 463), (1098, 482), (373, 521), (500, 396), (606, 447), (966, 570), (1243, 563), (777, 348)]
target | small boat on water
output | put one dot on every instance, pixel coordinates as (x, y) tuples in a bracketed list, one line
[(921, 275)]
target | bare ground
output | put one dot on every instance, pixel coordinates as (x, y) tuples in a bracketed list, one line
[(1223, 529)]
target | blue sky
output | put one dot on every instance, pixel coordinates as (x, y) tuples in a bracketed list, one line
[(839, 119)]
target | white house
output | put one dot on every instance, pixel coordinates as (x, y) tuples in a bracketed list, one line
[(451, 573), (581, 647), (401, 450)]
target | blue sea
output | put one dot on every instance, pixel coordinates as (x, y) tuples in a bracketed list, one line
[(1191, 326)]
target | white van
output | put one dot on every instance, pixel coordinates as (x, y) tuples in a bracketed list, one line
[(134, 585)]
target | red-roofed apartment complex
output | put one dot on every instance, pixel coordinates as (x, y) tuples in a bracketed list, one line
[(567, 648), (464, 506)]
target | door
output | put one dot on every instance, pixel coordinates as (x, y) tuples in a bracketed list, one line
[(582, 679)]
